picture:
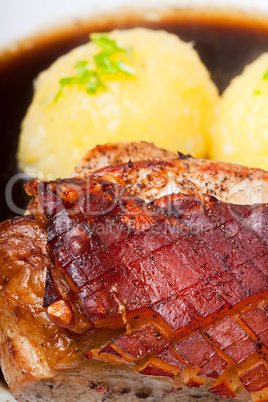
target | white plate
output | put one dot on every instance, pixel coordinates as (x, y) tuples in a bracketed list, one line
[(21, 18), (5, 395)]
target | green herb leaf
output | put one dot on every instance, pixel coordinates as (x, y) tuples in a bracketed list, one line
[(81, 66), (68, 81), (125, 68), (265, 75), (110, 46), (94, 84), (106, 62), (58, 94), (257, 92)]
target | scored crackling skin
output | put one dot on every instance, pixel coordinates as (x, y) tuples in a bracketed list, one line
[(185, 274)]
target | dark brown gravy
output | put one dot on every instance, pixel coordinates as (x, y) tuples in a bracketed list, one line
[(226, 42), (2, 382)]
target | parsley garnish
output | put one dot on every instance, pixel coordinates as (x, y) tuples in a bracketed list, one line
[(264, 77), (108, 61), (257, 92)]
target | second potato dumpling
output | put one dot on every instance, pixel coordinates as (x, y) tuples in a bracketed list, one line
[(240, 133), (169, 100)]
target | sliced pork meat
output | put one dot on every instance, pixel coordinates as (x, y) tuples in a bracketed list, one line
[(142, 276)]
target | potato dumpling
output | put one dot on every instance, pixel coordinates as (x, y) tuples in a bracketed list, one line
[(240, 133), (170, 101)]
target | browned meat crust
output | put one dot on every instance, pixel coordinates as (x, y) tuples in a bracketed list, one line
[(150, 174), (123, 152)]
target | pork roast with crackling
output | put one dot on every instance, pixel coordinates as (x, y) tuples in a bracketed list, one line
[(146, 290)]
